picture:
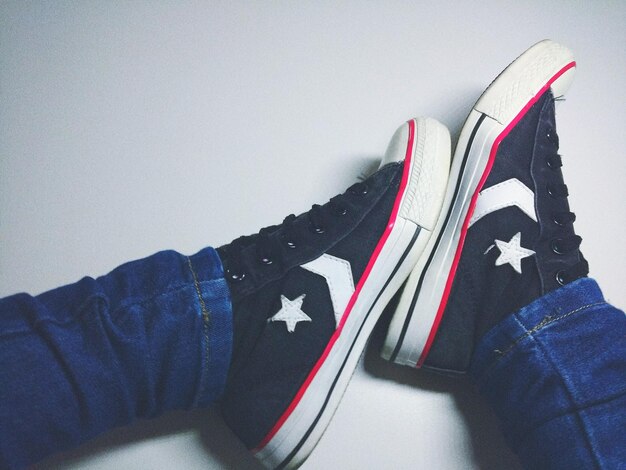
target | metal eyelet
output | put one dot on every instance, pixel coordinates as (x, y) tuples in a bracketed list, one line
[(556, 221), (554, 245), (570, 218), (266, 260), (552, 165), (560, 278), (236, 276), (364, 189), (290, 244), (317, 230), (559, 191)]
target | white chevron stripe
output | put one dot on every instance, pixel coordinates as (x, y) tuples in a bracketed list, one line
[(338, 275), (509, 193)]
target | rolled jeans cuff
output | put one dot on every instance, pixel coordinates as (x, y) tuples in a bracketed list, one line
[(214, 306), (554, 374)]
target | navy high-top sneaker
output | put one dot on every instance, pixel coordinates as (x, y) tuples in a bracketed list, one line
[(307, 293), (505, 235)]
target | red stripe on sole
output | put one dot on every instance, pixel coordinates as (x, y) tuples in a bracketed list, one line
[(459, 249), (355, 294)]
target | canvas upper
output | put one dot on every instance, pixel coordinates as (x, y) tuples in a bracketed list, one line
[(266, 276), (515, 254)]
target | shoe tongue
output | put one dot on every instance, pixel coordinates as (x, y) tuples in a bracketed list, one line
[(396, 150)]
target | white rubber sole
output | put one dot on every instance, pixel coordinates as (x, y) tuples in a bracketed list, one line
[(415, 211), (424, 297)]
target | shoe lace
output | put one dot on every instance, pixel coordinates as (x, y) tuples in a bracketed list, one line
[(567, 243), (269, 249)]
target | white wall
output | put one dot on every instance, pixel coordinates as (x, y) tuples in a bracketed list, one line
[(131, 127)]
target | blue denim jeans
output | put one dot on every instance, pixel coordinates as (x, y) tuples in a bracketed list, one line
[(151, 336), (555, 373), (156, 335)]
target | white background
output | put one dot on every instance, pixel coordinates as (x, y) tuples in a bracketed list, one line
[(131, 127)]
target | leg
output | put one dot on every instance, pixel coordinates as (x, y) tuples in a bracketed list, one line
[(554, 373), (151, 336)]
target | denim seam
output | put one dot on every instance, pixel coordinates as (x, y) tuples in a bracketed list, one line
[(206, 322), (575, 410), (82, 309), (547, 320)]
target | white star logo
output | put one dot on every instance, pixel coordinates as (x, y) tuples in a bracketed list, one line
[(512, 252), (291, 312)]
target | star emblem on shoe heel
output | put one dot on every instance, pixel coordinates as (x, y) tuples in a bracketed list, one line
[(512, 252), (291, 312)]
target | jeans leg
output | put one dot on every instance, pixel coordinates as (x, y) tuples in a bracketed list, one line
[(555, 373), (151, 336)]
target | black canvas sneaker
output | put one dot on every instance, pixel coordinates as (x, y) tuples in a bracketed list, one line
[(505, 235), (307, 293)]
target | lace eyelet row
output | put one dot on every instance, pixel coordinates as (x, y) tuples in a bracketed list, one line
[(560, 246), (358, 189)]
